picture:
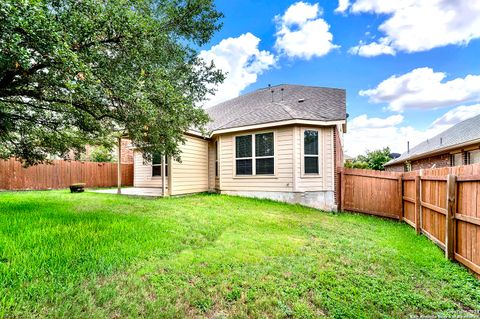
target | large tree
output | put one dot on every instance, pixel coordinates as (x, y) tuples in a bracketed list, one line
[(74, 71)]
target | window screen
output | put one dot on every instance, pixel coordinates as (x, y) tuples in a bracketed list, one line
[(310, 150), (264, 150), (264, 166), (243, 146), (157, 165), (311, 165), (311, 142), (243, 151), (264, 144), (244, 167), (457, 159), (474, 157)]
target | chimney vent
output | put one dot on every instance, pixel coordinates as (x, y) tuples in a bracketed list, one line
[(301, 100), (408, 147)]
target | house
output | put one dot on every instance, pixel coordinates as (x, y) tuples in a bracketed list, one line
[(126, 153), (283, 143), (459, 145)]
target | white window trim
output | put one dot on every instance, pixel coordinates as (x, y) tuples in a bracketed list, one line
[(155, 165), (320, 152), (254, 157)]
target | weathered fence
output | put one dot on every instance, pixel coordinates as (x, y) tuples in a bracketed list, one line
[(60, 174), (443, 204)]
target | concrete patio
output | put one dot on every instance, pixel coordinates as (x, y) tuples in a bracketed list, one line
[(133, 191)]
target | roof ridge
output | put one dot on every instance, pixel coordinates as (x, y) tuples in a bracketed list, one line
[(242, 115), (237, 97), (300, 85)]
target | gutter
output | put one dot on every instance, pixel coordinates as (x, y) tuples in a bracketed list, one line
[(276, 123)]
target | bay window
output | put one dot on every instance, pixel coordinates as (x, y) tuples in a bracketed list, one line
[(310, 151)]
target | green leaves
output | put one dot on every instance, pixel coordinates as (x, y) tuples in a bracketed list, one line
[(372, 160), (79, 71)]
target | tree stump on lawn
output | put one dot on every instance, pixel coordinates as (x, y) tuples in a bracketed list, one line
[(77, 188)]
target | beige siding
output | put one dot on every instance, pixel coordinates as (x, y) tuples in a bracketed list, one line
[(143, 173), (211, 165), (196, 172), (283, 177), (191, 175)]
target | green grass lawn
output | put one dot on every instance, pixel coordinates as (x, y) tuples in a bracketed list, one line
[(95, 255)]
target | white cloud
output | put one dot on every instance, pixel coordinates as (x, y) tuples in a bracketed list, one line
[(362, 137), (375, 122), (373, 48), (414, 26), (424, 88), (456, 115), (342, 6), (366, 133), (302, 33), (241, 59)]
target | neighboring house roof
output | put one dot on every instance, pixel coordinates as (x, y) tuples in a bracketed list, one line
[(463, 133), (294, 102)]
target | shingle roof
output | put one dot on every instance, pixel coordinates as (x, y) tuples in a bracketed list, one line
[(463, 132), (320, 104)]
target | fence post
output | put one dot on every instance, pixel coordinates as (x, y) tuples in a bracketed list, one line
[(421, 199), (418, 191), (400, 186), (339, 190), (342, 190), (450, 219)]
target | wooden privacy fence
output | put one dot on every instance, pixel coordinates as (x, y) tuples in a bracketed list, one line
[(371, 192), (60, 174), (443, 204)]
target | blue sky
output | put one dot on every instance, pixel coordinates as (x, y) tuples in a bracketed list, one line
[(416, 48)]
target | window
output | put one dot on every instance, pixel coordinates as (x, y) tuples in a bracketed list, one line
[(408, 167), (216, 158), (264, 161), (157, 165), (473, 157), (255, 154), (457, 159), (310, 151), (243, 151)]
